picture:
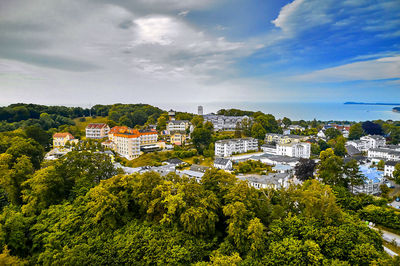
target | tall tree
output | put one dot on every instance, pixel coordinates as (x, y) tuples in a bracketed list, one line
[(304, 169), (330, 168), (356, 131), (353, 175)]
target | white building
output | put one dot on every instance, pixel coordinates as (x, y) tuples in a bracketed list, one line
[(178, 125), (97, 131), (222, 163), (373, 141), (227, 147), (127, 145), (273, 180), (321, 134), (296, 127), (224, 123), (299, 150), (270, 149), (368, 142), (384, 153), (389, 168)]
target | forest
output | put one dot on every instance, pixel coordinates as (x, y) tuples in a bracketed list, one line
[(79, 209)]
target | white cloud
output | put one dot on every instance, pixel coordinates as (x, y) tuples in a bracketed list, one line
[(302, 14), (378, 69)]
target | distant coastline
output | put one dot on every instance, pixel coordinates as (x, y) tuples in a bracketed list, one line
[(373, 104), (396, 109)]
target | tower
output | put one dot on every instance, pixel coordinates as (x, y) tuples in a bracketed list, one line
[(200, 110), (171, 114)]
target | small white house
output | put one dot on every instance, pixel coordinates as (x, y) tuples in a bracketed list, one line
[(222, 163), (389, 168)]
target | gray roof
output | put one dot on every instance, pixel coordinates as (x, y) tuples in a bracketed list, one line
[(392, 163), (178, 121), (270, 179), (389, 151), (351, 150), (376, 137), (175, 161), (269, 146), (221, 161), (199, 168)]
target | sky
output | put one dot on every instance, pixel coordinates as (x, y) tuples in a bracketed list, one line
[(84, 52)]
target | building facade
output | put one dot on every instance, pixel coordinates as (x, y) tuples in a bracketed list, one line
[(299, 150), (224, 123), (60, 139), (178, 125), (383, 153), (225, 148), (389, 168), (97, 131)]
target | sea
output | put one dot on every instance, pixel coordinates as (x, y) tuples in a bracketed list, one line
[(324, 111)]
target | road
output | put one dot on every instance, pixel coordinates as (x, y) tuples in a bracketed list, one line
[(389, 237)]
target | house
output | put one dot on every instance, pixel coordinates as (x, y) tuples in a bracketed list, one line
[(270, 149), (192, 174), (175, 161), (222, 163), (60, 139), (97, 131), (389, 168), (274, 180), (296, 127), (321, 134), (227, 147), (374, 179), (299, 150), (352, 150), (178, 138)]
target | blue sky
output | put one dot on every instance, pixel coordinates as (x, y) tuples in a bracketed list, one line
[(168, 51)]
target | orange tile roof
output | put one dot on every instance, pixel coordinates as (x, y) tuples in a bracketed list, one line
[(130, 136), (117, 129), (63, 135)]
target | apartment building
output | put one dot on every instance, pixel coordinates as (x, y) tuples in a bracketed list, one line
[(384, 153), (224, 123), (293, 149), (374, 141), (282, 139), (227, 147), (178, 125), (148, 137), (60, 139), (97, 131), (368, 142), (127, 144)]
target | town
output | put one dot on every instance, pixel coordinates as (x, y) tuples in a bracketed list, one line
[(277, 155)]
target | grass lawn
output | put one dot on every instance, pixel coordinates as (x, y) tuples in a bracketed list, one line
[(82, 125), (204, 161)]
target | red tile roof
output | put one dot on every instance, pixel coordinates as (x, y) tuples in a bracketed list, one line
[(96, 125)]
